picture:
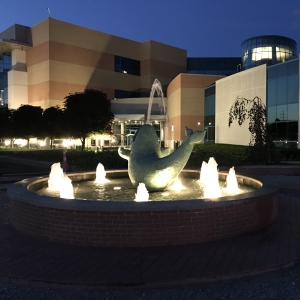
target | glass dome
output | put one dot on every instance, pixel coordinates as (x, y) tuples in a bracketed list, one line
[(267, 49)]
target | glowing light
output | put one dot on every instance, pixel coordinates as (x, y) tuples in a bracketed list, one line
[(116, 188), (231, 183), (209, 176), (20, 142), (260, 53), (55, 177), (67, 143), (42, 143), (282, 54), (142, 194), (6, 143), (176, 185), (66, 189), (100, 174)]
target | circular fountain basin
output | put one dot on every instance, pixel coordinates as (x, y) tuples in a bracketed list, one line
[(136, 224)]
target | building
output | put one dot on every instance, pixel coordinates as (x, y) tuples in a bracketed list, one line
[(41, 65)]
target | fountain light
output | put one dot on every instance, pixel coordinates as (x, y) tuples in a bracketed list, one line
[(209, 176), (142, 194), (176, 185), (55, 177), (231, 183), (100, 174), (66, 189)]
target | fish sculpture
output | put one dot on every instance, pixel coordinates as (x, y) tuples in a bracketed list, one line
[(154, 166)]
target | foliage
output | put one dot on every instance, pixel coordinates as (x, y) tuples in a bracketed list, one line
[(53, 123), (225, 155), (7, 129), (84, 159), (261, 148), (27, 121), (88, 113)]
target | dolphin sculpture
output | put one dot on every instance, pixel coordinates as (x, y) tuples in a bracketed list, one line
[(153, 166)]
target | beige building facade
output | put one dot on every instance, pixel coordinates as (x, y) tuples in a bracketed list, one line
[(186, 103), (53, 59), (67, 58), (248, 84)]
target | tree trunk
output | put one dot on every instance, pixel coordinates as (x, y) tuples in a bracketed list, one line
[(82, 143)]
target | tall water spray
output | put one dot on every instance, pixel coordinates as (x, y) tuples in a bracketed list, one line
[(156, 88)]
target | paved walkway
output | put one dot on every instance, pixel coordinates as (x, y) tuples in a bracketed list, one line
[(33, 262)]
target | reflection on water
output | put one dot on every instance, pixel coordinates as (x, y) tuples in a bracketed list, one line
[(122, 190)]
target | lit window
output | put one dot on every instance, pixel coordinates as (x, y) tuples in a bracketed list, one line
[(261, 53), (283, 53)]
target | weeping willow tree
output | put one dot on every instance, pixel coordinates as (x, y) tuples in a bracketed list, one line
[(261, 150)]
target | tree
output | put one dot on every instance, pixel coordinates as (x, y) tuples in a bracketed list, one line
[(53, 123), (88, 113), (28, 122), (262, 149), (7, 128)]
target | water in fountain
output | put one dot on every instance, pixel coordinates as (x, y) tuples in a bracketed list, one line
[(121, 189), (156, 88), (210, 178), (100, 174), (231, 183), (55, 177), (142, 193), (176, 185), (66, 189)]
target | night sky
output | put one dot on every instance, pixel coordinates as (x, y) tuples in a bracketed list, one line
[(205, 28)]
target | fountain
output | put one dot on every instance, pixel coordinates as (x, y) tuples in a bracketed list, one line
[(66, 188), (55, 177), (210, 178), (142, 193), (100, 174), (156, 88), (115, 220), (231, 183)]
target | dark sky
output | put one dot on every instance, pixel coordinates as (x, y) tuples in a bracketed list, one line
[(205, 28)]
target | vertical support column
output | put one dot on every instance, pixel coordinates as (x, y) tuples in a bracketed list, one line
[(122, 133), (17, 80), (162, 134)]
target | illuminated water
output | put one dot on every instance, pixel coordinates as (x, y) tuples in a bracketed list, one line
[(122, 190)]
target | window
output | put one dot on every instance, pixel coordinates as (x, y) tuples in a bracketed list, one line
[(282, 54), (120, 94), (293, 88), (127, 65), (261, 53)]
